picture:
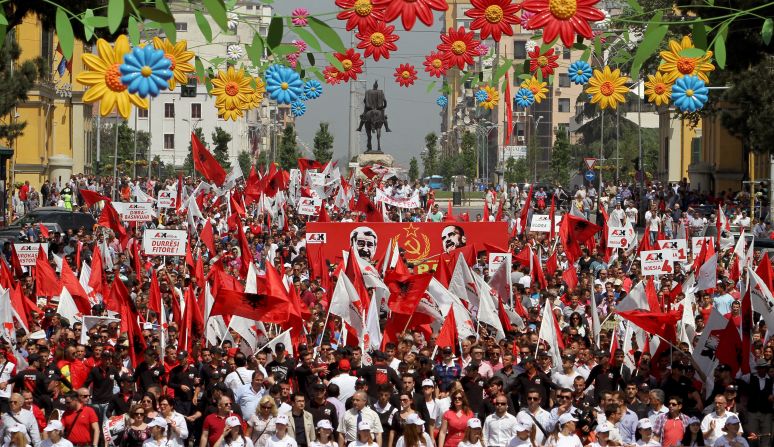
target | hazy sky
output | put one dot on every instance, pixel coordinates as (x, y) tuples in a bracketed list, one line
[(411, 112)]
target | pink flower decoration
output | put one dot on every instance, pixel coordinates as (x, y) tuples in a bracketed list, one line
[(525, 16), (300, 16), (601, 39), (293, 59), (483, 49), (300, 44)]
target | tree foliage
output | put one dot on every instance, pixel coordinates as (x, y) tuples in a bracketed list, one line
[(288, 149), (323, 144), (516, 171), (220, 140), (413, 172), (562, 163), (245, 162), (15, 81), (126, 136), (430, 155)]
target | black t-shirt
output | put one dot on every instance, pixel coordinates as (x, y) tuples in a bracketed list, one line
[(300, 432), (325, 411), (378, 374), (388, 418), (33, 381), (120, 404), (523, 384), (474, 390), (281, 370), (189, 377), (101, 380), (149, 376), (602, 380)]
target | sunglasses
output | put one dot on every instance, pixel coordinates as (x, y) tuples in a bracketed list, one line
[(673, 404), (533, 399), (501, 404)]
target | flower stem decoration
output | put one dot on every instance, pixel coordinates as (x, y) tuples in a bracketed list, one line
[(435, 64), (442, 101), (297, 108), (563, 18), (524, 97), (232, 93), (580, 72), (689, 93), (458, 47), (658, 88), (405, 75), (378, 41), (103, 78), (179, 56), (283, 84), (678, 65), (492, 97), (360, 14), (145, 71), (607, 88), (545, 63), (410, 10), (300, 17), (312, 89), (493, 17), (537, 88)]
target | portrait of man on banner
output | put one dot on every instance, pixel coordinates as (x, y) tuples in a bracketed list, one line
[(452, 238), (364, 241)]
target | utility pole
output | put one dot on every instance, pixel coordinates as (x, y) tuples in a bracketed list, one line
[(354, 149)]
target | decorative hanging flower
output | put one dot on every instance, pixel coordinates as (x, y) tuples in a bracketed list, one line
[(104, 79), (292, 59), (483, 49), (458, 47), (492, 97), (179, 57), (300, 17), (285, 85), (234, 52), (537, 88), (410, 10), (608, 88), (233, 21), (435, 64), (232, 92), (563, 18), (580, 72), (297, 108), (545, 63), (678, 65), (256, 97), (658, 88), (493, 17), (405, 75), (353, 64), (442, 101), (378, 41), (312, 89), (689, 93), (332, 75), (530, 45), (524, 97), (480, 96), (145, 71), (299, 44), (605, 22), (360, 14), (524, 19)]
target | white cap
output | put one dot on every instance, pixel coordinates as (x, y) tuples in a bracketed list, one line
[(38, 335), (603, 428), (644, 423), (414, 419), (325, 423), (732, 419), (364, 426), (523, 427), (474, 423), (281, 419), (565, 418), (54, 425), (158, 422), (232, 421), (428, 382), (15, 428)]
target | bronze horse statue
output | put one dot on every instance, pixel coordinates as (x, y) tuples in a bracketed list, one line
[(374, 120)]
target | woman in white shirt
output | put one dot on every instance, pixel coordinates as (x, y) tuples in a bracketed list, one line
[(364, 438), (232, 436), (281, 438), (565, 436), (260, 426), (413, 433), (645, 432), (177, 429), (324, 435), (158, 438), (54, 430), (472, 436)]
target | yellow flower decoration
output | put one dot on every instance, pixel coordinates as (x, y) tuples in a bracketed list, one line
[(258, 93), (492, 98), (230, 113), (232, 92), (104, 79), (679, 65), (537, 88), (658, 88), (178, 54), (608, 88)]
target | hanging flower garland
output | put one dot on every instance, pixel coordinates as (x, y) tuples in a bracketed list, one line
[(493, 17), (580, 72), (352, 63), (458, 47), (145, 71), (524, 97), (491, 99), (608, 88), (689, 93), (405, 75), (179, 56), (442, 101), (300, 17), (360, 14), (678, 65), (545, 62), (378, 41), (537, 88), (297, 108), (410, 10), (563, 18), (284, 84), (312, 89), (232, 93), (435, 64), (658, 88)]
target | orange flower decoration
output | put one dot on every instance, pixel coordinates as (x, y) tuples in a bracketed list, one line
[(378, 41), (405, 75), (332, 75), (563, 18), (493, 17), (458, 47), (353, 64), (360, 14), (410, 10), (435, 64), (545, 63)]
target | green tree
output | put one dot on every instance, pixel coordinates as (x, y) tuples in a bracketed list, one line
[(751, 106), (262, 161), (562, 163), (245, 162), (288, 149), (188, 165), (413, 171), (323, 144), (126, 145), (430, 155), (516, 171), (467, 163), (15, 81), (447, 167), (220, 139)]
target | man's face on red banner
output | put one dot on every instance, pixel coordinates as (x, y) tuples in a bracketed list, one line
[(453, 237), (363, 240)]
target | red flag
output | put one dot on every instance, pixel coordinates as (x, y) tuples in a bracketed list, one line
[(19, 303), (97, 277), (15, 263), (486, 213), (199, 270), (271, 304), (137, 262), (246, 255), (43, 231), (572, 232), (353, 272), (6, 276), (129, 324), (110, 219), (652, 295), (662, 324), (449, 213), (252, 187), (551, 264), (90, 197), (729, 350), (508, 110), (406, 291), (323, 216), (179, 196), (536, 270), (570, 276), (364, 205), (525, 210), (154, 295), (443, 271), (80, 297), (400, 267), (192, 324), (505, 319), (207, 237), (46, 282), (765, 271), (447, 337), (205, 163)]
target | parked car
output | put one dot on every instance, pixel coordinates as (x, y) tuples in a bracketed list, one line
[(54, 218)]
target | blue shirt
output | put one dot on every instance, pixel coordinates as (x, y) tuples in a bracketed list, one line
[(628, 427), (723, 303), (447, 374)]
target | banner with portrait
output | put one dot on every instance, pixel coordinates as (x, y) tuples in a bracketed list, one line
[(423, 242)]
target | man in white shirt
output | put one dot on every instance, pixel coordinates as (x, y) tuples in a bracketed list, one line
[(499, 427), (357, 414), (241, 376), (713, 423), (632, 214), (565, 377), (345, 381), (248, 395), (652, 223), (536, 414), (18, 416)]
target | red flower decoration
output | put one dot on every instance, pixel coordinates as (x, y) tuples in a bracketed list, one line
[(563, 18), (332, 75), (458, 47), (545, 62), (360, 13), (378, 41), (435, 64), (410, 10), (495, 17), (353, 64), (405, 75)]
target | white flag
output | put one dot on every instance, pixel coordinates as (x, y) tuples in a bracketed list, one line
[(635, 299), (704, 352), (216, 328), (343, 304), (447, 301), (7, 331), (373, 331), (761, 298), (247, 330), (463, 285), (67, 307), (488, 311), (549, 335), (708, 274), (283, 338)]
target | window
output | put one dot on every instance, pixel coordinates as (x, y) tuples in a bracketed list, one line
[(142, 113), (696, 149), (196, 110), (520, 49), (564, 104), (181, 26), (249, 7), (566, 54), (169, 110), (169, 141), (564, 80)]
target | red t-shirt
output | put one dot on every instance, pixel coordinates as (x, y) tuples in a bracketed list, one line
[(77, 424), (214, 425)]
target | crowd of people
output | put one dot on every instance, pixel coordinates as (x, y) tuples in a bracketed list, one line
[(64, 383)]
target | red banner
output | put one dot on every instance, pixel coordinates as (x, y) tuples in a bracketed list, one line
[(423, 241)]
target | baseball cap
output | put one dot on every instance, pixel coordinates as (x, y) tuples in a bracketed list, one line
[(428, 382), (644, 387), (414, 419), (15, 428), (603, 428), (344, 365), (565, 418), (446, 351), (54, 425), (522, 426), (361, 382), (644, 424), (182, 354), (325, 423), (474, 423), (281, 419), (232, 421), (364, 426), (732, 388), (732, 419), (158, 422), (318, 386)]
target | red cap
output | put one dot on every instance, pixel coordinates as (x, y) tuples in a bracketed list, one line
[(344, 365)]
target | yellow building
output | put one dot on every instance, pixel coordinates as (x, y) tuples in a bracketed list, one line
[(53, 145), (680, 144)]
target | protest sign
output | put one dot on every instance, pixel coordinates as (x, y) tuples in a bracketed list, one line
[(28, 253), (308, 206), (164, 242), (167, 199), (655, 262), (134, 212)]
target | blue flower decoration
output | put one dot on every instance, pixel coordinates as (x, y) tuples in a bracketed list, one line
[(580, 72), (481, 96), (297, 108), (689, 93), (283, 84), (145, 71), (524, 97), (442, 101), (313, 89)]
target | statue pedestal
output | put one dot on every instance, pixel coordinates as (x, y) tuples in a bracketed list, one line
[(375, 158)]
